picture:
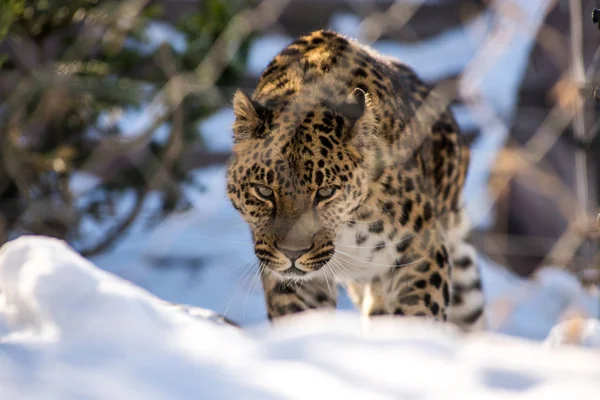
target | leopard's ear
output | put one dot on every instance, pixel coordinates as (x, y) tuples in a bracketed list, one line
[(358, 111), (248, 116)]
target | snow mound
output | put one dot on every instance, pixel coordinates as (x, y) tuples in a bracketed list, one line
[(582, 332), (530, 308), (69, 330)]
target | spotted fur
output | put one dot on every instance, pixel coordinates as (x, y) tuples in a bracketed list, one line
[(349, 170)]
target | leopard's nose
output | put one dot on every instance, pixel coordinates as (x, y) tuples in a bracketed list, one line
[(293, 255)]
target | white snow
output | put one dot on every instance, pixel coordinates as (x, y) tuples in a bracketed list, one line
[(69, 330), (583, 332), (531, 308)]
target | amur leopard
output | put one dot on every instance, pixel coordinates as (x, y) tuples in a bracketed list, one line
[(349, 170)]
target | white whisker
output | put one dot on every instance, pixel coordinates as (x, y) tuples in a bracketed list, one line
[(332, 288), (255, 279), (369, 262), (247, 273), (374, 246)]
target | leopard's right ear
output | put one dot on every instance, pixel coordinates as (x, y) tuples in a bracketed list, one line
[(248, 117)]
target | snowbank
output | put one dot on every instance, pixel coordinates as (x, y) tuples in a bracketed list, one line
[(69, 330), (530, 308), (583, 332)]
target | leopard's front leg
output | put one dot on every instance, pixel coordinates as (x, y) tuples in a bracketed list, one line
[(418, 285), (422, 289), (285, 297)]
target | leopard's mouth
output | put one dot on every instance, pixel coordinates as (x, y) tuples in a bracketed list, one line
[(307, 265), (300, 272)]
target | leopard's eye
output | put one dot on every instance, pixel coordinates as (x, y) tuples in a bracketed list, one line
[(325, 193), (264, 191)]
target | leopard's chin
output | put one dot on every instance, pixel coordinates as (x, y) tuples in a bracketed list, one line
[(297, 275), (293, 271)]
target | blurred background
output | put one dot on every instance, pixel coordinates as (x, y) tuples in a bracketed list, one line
[(115, 123)]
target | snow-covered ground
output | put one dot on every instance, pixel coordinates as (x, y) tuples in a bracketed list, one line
[(69, 330)]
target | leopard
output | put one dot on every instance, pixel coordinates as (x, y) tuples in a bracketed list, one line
[(349, 171)]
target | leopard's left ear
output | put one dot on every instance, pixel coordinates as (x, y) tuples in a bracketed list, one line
[(358, 111)]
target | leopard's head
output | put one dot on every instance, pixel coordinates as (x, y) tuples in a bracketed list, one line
[(299, 170)]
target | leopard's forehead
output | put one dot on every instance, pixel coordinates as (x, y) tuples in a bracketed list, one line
[(300, 148), (307, 157)]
